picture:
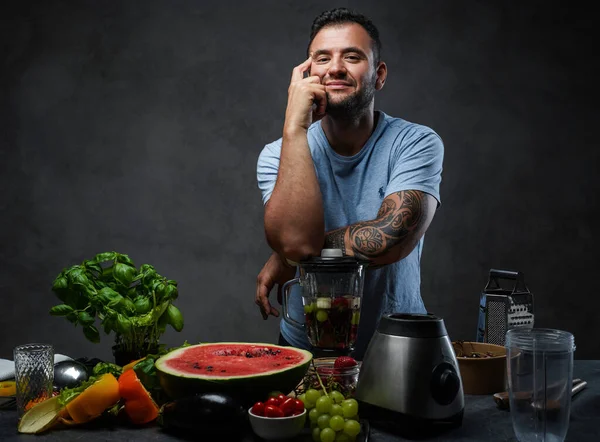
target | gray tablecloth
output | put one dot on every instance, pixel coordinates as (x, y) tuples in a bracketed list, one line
[(482, 422)]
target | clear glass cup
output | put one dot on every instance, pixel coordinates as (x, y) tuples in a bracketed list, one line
[(343, 380), (34, 374), (540, 378)]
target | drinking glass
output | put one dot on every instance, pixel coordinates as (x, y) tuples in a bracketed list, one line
[(34, 374)]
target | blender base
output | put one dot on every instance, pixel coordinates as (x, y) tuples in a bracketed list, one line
[(407, 426)]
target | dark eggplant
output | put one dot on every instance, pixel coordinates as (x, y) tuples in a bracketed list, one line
[(205, 413)]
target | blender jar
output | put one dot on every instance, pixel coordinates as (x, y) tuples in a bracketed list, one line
[(540, 377), (332, 288)]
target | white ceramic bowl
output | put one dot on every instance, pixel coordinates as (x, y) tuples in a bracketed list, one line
[(275, 428)]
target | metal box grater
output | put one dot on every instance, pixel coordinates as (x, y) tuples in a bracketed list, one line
[(502, 309)]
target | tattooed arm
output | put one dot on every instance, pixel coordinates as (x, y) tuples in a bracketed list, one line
[(401, 221)]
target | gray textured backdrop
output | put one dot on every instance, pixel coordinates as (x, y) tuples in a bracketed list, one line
[(135, 127)]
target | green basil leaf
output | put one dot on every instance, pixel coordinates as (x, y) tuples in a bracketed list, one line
[(171, 292), (132, 293), (61, 310), (72, 318), (161, 324), (146, 373), (106, 256), (145, 267), (85, 318), (142, 305), (93, 267), (60, 283), (124, 259), (107, 367), (109, 297), (149, 276), (123, 324), (91, 333), (123, 273), (175, 317), (107, 273), (108, 325), (78, 277), (159, 289), (126, 306)]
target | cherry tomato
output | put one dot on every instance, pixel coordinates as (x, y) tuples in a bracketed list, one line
[(273, 401), (288, 406), (282, 398), (258, 409), (298, 406), (273, 411)]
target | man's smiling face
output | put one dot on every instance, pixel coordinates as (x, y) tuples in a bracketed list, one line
[(342, 56)]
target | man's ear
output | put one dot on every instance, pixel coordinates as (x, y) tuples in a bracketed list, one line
[(381, 76)]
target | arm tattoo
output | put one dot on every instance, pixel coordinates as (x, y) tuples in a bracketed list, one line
[(335, 239), (401, 213)]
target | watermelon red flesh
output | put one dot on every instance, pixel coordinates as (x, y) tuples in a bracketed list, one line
[(248, 370), (215, 361)]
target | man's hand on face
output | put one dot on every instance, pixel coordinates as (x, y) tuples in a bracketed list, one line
[(307, 99), (275, 271)]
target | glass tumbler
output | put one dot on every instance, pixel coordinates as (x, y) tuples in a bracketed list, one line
[(34, 374), (540, 377)]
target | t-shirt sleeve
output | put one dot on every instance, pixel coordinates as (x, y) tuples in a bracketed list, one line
[(267, 168), (417, 164)]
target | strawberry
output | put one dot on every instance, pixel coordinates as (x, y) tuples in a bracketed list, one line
[(344, 362), (325, 371)]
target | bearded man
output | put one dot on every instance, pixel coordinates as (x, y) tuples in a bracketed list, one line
[(347, 176)]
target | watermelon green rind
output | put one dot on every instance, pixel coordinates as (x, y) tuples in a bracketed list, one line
[(249, 388)]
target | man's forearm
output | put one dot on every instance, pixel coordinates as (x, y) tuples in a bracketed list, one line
[(294, 223), (401, 221)]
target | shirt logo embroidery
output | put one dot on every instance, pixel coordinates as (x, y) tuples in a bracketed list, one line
[(381, 193)]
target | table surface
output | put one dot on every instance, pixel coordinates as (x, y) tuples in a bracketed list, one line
[(482, 421)]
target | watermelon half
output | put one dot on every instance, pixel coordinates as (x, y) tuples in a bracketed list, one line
[(249, 371)]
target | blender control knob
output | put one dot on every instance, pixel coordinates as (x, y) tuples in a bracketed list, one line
[(445, 383)]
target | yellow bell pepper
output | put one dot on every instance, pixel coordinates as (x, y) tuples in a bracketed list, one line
[(8, 388), (91, 402)]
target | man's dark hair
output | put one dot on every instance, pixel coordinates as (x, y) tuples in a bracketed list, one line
[(341, 16)]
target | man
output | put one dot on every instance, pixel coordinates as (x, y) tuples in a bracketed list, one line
[(346, 176)]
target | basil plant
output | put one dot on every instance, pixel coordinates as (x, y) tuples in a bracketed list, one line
[(135, 304)]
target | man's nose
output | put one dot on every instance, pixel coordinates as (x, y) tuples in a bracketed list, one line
[(337, 67)]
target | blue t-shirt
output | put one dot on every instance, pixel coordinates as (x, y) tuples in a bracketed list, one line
[(398, 156)]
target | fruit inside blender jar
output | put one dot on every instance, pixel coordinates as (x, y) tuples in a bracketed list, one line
[(332, 322)]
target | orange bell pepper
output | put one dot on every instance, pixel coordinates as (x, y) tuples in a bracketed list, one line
[(91, 402), (139, 405)]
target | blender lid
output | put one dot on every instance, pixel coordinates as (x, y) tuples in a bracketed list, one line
[(412, 325), (332, 259)]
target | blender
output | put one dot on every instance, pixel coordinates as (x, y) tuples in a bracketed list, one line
[(331, 288)]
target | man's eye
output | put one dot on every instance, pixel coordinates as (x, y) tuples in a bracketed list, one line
[(352, 57)]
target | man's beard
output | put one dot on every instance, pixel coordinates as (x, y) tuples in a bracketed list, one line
[(353, 105)]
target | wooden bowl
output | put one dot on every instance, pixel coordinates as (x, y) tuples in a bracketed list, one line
[(482, 367)]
